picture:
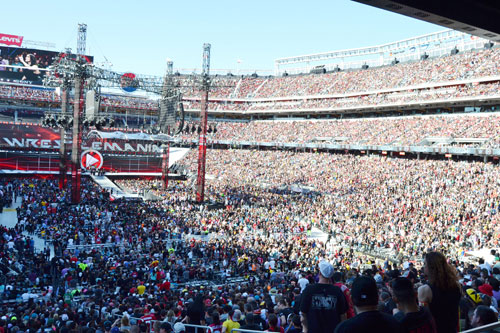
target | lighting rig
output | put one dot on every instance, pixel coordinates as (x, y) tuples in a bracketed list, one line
[(64, 121), (211, 128), (76, 73)]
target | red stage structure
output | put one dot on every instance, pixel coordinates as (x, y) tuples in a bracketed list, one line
[(76, 170), (63, 181), (202, 149), (164, 168)]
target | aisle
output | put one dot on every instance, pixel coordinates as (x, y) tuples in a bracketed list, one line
[(8, 218), (318, 234)]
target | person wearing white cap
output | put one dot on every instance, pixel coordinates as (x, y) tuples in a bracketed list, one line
[(179, 328), (323, 305)]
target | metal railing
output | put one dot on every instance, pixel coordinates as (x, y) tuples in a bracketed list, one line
[(493, 327), (200, 328), (235, 330), (197, 328)]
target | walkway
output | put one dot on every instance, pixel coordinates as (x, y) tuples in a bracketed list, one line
[(112, 188), (8, 218), (318, 234)]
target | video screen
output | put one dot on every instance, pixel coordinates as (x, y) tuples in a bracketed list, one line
[(27, 66)]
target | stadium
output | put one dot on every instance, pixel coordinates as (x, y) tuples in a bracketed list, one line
[(302, 201)]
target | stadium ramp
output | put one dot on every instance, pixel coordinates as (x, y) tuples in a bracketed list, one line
[(116, 192)]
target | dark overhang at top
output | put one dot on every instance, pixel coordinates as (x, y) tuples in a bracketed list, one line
[(475, 17)]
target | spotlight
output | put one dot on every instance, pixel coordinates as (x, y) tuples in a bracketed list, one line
[(51, 121), (61, 121), (100, 123), (85, 122)]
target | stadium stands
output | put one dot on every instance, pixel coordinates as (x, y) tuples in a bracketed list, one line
[(403, 131), (478, 75), (130, 267)]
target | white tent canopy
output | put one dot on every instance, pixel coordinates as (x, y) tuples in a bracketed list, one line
[(128, 136)]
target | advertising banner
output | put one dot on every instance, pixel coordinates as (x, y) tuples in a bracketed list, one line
[(11, 40)]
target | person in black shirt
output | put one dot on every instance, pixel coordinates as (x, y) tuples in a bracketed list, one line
[(368, 319), (483, 315), (323, 305), (413, 318), (296, 301), (443, 292), (250, 323), (284, 310), (295, 326)]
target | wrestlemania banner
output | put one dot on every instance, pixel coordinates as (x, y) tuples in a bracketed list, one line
[(29, 137), (32, 148), (30, 162)]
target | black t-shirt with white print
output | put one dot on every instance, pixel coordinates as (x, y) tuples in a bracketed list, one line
[(323, 304)]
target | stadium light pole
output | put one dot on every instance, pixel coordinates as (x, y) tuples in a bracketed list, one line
[(202, 147)]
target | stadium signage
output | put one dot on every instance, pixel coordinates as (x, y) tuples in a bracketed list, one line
[(11, 40), (96, 145), (91, 159)]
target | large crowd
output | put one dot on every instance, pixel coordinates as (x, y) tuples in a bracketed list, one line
[(432, 80), (286, 241), (245, 258), (400, 131)]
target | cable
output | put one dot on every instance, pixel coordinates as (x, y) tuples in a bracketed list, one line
[(71, 37), (94, 40)]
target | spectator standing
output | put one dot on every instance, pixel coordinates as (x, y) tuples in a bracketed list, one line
[(323, 305), (337, 278), (232, 321), (413, 318), (483, 315), (443, 290), (368, 319)]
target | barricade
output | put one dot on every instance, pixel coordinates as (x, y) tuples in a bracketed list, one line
[(197, 328), (486, 328), (236, 330)]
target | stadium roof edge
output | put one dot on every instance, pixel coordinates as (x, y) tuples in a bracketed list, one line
[(330, 54)]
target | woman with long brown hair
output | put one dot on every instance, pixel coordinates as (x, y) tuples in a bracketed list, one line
[(442, 292)]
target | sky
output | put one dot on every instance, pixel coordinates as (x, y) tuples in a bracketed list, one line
[(138, 36)]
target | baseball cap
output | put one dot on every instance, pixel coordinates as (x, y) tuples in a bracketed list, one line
[(107, 325), (179, 327), (473, 295), (326, 269), (364, 291), (486, 289)]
